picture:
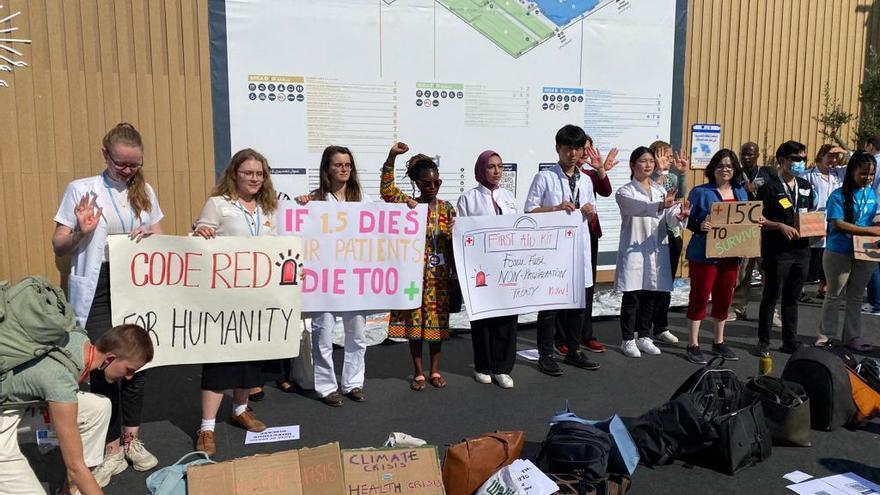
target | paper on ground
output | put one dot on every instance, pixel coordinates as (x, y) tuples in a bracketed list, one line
[(274, 434), (840, 484), (797, 476), (529, 354), (532, 479)]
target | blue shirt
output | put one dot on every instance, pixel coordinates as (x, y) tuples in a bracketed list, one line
[(865, 206)]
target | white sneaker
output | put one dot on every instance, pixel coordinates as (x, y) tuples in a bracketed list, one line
[(630, 349), (141, 459), (113, 464), (482, 377), (503, 381), (647, 346), (666, 337)]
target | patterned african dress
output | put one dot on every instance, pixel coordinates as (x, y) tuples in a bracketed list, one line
[(430, 322)]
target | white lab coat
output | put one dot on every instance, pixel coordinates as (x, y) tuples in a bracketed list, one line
[(478, 202), (643, 253), (86, 260), (550, 188)]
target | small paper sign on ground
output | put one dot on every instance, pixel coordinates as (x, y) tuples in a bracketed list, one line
[(275, 434), (866, 248), (529, 354)]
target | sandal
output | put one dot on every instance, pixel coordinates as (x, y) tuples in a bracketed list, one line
[(418, 383), (437, 380), (285, 386), (859, 345)]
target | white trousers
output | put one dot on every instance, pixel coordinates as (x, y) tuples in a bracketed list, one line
[(322, 352), (17, 477)]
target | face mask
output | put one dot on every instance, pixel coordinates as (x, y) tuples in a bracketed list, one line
[(798, 168)]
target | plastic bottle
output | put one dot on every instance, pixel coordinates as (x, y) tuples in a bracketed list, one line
[(765, 364)]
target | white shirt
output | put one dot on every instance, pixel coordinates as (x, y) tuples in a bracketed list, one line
[(231, 218), (365, 198), (823, 186), (478, 202), (643, 253), (550, 188), (92, 250)]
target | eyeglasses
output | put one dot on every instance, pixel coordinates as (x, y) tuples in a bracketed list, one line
[(342, 166), (122, 165), (425, 183), (725, 167), (796, 158), (251, 174)]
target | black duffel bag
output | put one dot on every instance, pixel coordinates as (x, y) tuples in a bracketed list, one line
[(743, 437), (786, 409)]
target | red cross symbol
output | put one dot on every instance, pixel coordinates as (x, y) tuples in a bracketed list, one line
[(569, 233), (468, 241), (717, 210)]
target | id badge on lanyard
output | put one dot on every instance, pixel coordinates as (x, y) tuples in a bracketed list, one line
[(436, 259)]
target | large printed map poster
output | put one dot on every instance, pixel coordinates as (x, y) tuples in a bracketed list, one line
[(450, 78)]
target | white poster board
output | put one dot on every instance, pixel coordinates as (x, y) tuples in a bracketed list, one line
[(358, 256), (705, 142), (514, 264), (209, 300)]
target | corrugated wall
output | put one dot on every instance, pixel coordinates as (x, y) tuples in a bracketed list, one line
[(757, 67)]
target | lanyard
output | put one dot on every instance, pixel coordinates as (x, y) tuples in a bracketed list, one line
[(253, 227), (116, 207), (793, 193), (574, 195), (434, 234)]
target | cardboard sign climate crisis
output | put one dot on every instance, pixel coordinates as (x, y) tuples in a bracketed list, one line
[(735, 231)]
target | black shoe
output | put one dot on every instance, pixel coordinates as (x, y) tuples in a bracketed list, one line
[(695, 355), (333, 400), (762, 349), (724, 351), (357, 394), (257, 397), (789, 346), (548, 366), (579, 360)]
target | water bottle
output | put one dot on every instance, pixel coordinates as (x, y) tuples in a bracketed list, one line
[(765, 364)]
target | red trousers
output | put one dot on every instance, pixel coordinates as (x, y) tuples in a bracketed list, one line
[(717, 280)]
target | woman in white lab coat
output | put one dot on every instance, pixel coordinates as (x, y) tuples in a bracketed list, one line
[(643, 272), (117, 202), (493, 339)]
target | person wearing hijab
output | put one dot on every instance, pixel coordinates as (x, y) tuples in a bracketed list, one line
[(493, 339)]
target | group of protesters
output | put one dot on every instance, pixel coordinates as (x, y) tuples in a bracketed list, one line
[(654, 213)]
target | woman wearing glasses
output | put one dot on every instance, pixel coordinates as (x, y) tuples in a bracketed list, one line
[(430, 322), (338, 183), (117, 202), (242, 204)]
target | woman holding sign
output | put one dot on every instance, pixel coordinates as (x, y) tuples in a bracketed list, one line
[(242, 204), (715, 277), (493, 339), (644, 270), (850, 211), (338, 183), (430, 322), (117, 202)]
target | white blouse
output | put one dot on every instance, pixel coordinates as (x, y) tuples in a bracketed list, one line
[(230, 218)]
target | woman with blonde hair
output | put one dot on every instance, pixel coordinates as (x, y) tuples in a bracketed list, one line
[(242, 204), (118, 201)]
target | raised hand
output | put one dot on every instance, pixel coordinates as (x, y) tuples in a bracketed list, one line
[(669, 199), (398, 148), (681, 161), (592, 157), (685, 210), (88, 214), (610, 160)]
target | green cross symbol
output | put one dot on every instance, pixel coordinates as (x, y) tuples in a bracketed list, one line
[(412, 291)]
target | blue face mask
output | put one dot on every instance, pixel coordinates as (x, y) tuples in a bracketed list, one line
[(798, 168)]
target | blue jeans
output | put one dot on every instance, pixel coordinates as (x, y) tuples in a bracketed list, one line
[(874, 290)]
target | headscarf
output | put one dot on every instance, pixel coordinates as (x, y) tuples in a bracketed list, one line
[(480, 169)]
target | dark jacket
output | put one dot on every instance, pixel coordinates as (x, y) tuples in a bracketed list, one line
[(779, 206)]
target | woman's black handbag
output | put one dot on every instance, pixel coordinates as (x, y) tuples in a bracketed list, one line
[(786, 409)]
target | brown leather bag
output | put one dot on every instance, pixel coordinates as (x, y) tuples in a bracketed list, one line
[(468, 464)]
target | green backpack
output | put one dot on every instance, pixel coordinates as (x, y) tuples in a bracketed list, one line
[(35, 319)]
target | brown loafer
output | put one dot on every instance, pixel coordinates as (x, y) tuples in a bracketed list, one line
[(205, 442), (333, 400), (249, 422), (357, 394)]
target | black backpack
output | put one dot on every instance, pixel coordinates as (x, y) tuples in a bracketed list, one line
[(714, 390), (824, 377), (575, 448), (672, 431)]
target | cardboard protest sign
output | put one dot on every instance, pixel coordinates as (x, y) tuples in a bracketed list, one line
[(866, 248), (314, 471), (735, 231), (514, 264), (403, 471), (358, 256), (812, 224), (209, 300)]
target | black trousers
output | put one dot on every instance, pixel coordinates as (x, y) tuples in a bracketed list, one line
[(570, 322), (816, 272), (494, 342), (587, 327), (661, 309), (784, 275), (637, 312), (126, 396)]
